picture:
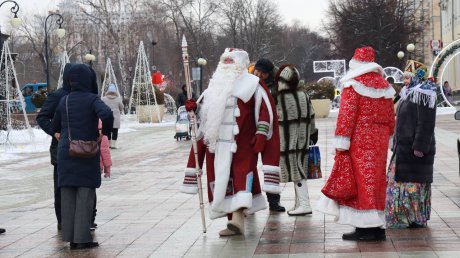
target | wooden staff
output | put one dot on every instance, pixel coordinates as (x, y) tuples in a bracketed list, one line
[(194, 130)]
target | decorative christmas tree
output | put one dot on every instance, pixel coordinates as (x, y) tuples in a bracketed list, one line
[(63, 60), (13, 118), (143, 96), (109, 78)]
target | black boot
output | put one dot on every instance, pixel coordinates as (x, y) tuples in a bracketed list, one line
[(274, 202), (366, 234), (2, 230)]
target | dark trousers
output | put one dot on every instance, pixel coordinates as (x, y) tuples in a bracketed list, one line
[(273, 199), (77, 212), (57, 196), (113, 134)]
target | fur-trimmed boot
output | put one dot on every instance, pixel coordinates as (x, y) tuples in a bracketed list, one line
[(301, 194), (237, 223)]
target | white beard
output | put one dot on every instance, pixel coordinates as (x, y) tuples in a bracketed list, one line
[(215, 99)]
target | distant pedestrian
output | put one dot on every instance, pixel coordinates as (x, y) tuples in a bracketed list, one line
[(182, 97), (44, 118), (447, 91), (114, 101), (296, 118), (77, 118), (264, 69), (355, 190), (410, 173)]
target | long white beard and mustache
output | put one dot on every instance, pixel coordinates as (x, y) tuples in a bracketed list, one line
[(215, 99)]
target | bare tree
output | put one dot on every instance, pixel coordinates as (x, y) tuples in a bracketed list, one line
[(384, 24)]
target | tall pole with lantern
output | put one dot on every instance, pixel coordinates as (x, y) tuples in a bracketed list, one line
[(194, 129)]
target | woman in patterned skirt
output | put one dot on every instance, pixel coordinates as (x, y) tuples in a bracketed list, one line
[(410, 174)]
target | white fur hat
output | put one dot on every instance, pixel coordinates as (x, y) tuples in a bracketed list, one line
[(240, 56)]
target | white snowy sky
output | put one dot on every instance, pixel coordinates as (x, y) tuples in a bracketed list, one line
[(307, 12)]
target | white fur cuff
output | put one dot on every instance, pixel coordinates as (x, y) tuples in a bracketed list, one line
[(192, 189), (342, 142)]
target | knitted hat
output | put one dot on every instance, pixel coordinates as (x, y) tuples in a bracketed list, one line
[(264, 65), (112, 88)]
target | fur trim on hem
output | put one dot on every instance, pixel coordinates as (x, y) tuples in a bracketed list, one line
[(342, 142), (348, 216), (258, 204), (363, 90), (273, 189)]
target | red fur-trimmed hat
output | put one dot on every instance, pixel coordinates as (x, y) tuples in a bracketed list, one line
[(364, 55)]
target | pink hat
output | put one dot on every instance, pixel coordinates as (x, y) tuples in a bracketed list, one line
[(364, 55)]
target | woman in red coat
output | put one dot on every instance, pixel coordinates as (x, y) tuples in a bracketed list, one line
[(364, 125)]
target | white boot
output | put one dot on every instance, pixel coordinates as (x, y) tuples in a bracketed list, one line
[(114, 144), (110, 144), (237, 223), (296, 204), (302, 198)]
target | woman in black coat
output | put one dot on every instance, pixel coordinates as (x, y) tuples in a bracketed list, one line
[(410, 174), (79, 177)]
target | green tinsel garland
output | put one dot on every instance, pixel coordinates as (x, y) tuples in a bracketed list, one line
[(443, 58)]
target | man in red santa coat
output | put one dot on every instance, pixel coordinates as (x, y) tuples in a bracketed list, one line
[(237, 122), (364, 125)]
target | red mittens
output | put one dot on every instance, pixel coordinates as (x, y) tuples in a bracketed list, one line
[(190, 105), (258, 143)]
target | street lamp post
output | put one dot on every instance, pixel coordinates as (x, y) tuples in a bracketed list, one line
[(153, 42), (201, 62), (400, 55), (15, 21), (90, 58), (410, 48), (60, 33)]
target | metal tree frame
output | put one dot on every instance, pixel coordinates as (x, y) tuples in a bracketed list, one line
[(109, 78), (59, 22), (13, 99), (142, 86)]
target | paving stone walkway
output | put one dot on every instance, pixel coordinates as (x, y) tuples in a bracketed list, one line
[(141, 213)]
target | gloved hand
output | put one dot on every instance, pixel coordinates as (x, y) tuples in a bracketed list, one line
[(258, 143), (190, 105), (106, 172)]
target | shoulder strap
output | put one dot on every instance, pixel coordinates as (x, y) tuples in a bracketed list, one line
[(67, 112)]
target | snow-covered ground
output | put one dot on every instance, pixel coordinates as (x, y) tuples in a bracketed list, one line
[(23, 141), (19, 142)]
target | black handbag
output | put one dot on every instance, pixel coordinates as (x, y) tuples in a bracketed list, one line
[(79, 148)]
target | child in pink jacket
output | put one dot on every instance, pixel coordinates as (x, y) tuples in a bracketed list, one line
[(106, 159)]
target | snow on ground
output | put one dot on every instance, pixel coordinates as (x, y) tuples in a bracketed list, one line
[(23, 141), (129, 123)]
